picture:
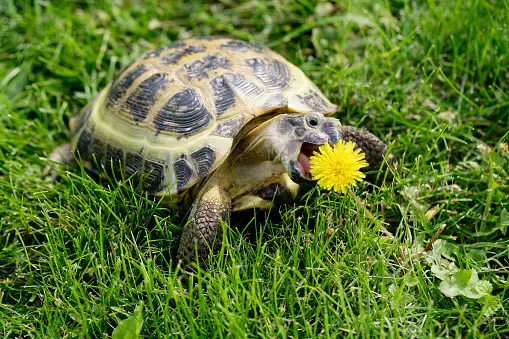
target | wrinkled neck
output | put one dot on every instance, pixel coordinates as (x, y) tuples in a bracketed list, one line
[(262, 143)]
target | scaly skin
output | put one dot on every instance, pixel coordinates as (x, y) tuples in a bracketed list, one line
[(203, 234), (368, 143), (61, 154), (374, 149)]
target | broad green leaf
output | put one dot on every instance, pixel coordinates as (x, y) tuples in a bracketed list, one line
[(446, 249), (130, 328), (448, 288), (465, 283), (484, 287), (490, 305), (442, 272), (462, 278)]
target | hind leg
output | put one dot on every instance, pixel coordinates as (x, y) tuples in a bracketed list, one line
[(61, 154)]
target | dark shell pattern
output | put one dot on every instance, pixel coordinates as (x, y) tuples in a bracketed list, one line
[(170, 118)]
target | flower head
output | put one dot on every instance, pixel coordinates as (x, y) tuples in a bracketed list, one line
[(337, 168)]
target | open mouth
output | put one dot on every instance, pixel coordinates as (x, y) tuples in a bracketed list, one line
[(306, 151)]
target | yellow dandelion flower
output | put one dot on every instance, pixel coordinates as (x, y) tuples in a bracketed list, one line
[(337, 168)]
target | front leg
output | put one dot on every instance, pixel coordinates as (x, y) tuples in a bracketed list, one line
[(203, 234), (373, 147)]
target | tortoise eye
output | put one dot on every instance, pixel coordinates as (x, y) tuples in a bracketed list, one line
[(312, 121)]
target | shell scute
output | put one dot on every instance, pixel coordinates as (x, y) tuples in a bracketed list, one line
[(84, 140), (153, 176), (248, 91), (224, 97), (183, 105), (198, 69), (242, 46), (230, 127), (203, 159), (120, 87), (133, 166), (139, 103), (183, 172), (272, 73), (314, 101), (184, 114), (114, 161), (174, 57), (156, 53), (98, 149)]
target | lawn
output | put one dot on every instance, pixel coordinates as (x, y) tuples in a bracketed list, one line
[(430, 78)]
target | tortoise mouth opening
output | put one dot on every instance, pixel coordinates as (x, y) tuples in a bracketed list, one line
[(306, 151)]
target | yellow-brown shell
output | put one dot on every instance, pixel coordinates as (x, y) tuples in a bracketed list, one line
[(171, 116)]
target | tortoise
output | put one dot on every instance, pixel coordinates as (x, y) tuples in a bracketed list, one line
[(216, 126)]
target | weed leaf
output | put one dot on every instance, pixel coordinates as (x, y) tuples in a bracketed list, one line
[(130, 328), (465, 283)]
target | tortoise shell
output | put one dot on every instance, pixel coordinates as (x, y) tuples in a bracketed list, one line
[(170, 118)]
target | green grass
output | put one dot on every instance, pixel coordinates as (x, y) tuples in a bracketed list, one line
[(429, 77)]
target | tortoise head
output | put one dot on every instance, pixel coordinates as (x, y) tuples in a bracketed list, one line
[(299, 136), (271, 163)]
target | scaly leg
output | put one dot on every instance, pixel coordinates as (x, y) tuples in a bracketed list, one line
[(61, 154), (203, 234), (373, 147)]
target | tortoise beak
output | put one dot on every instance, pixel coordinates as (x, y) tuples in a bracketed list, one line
[(299, 167)]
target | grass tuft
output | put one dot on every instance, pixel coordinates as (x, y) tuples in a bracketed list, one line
[(430, 77)]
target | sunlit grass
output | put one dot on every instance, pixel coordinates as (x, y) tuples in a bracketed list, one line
[(431, 78)]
